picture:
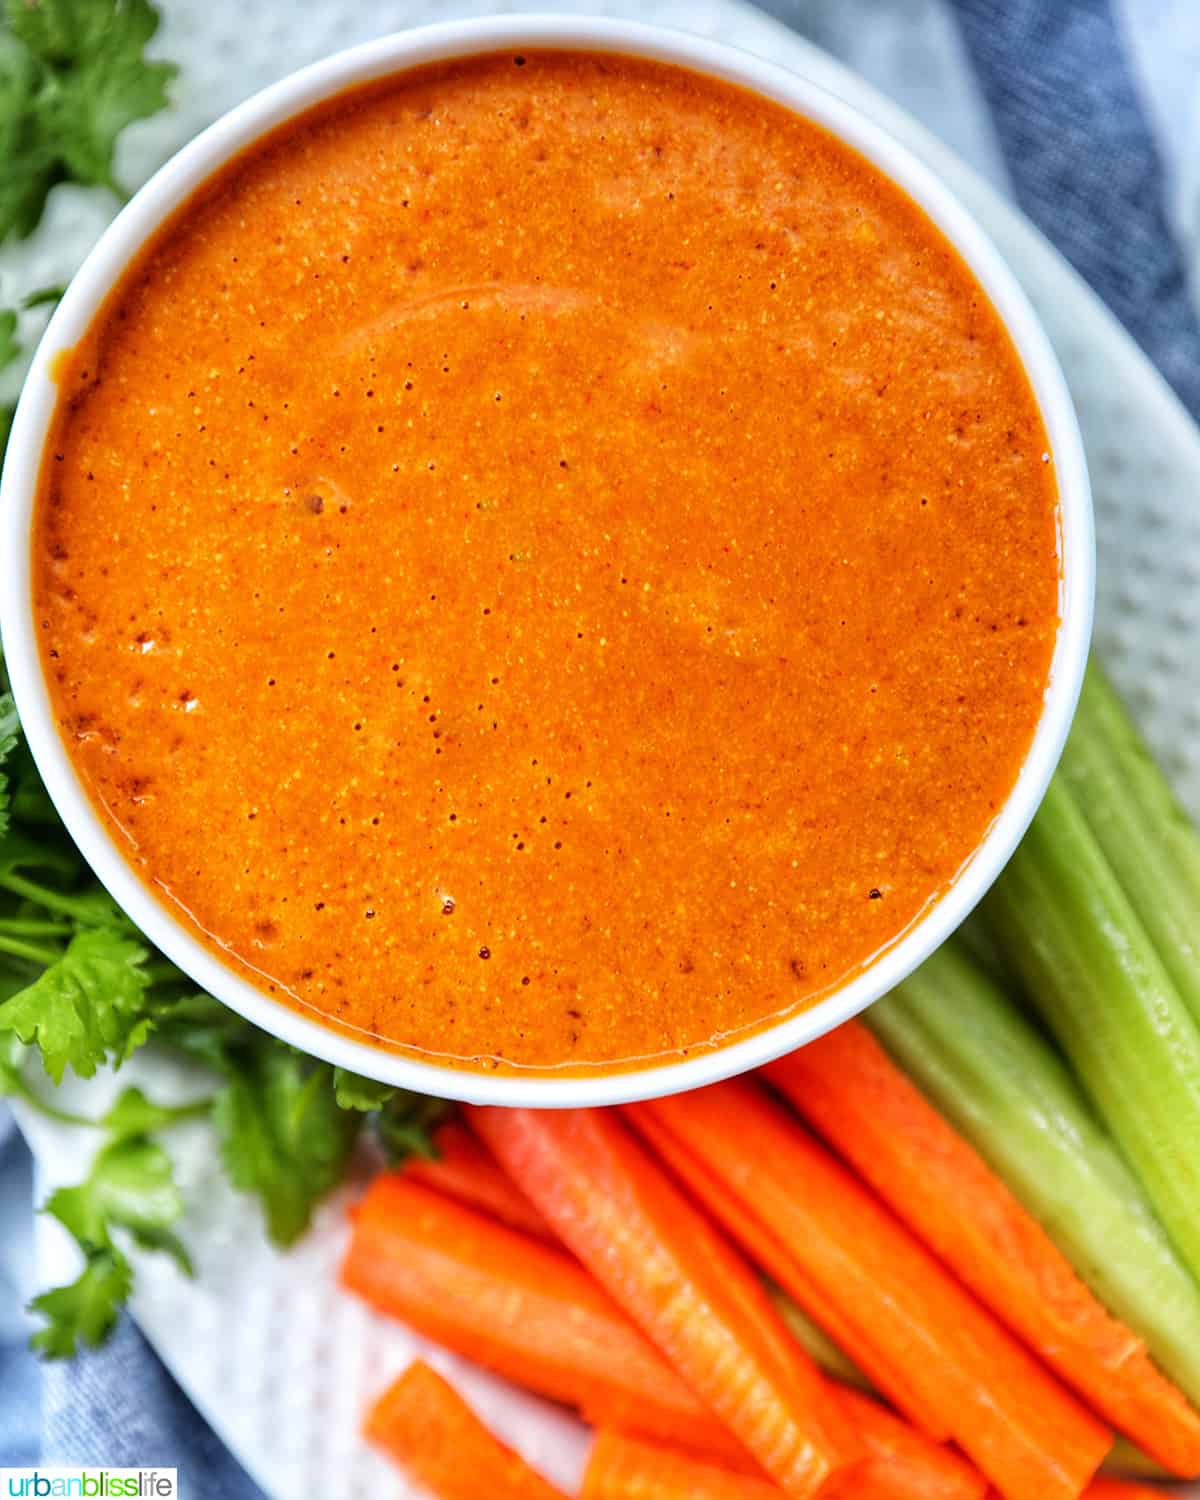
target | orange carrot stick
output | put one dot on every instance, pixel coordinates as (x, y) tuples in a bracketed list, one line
[(901, 1461), (849, 1090), (769, 1253), (624, 1468), (927, 1468), (688, 1290), (1022, 1429), (1105, 1488), (465, 1170), (519, 1307), (427, 1427), (450, 1272)]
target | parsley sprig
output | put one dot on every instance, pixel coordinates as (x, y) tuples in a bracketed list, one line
[(130, 1188), (73, 74)]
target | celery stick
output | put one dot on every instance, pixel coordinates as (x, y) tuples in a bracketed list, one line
[(817, 1343), (998, 1080), (1067, 928), (1147, 838), (976, 940)]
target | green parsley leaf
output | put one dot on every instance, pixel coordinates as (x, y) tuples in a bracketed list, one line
[(405, 1124), (52, 30), (96, 79), (282, 1134), (30, 800), (205, 1029), (20, 852), (10, 727), (131, 1186), (86, 1310), (10, 344), (44, 296), (85, 1009), (13, 1081), (352, 1091), (133, 1115), (13, 1053), (29, 164)]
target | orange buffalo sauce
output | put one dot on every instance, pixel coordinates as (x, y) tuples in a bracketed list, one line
[(548, 562)]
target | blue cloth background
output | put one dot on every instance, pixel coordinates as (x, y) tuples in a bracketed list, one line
[(1086, 111)]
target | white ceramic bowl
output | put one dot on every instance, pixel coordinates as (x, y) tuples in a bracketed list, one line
[(208, 152)]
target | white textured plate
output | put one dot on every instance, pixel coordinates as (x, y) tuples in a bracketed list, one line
[(281, 1361)]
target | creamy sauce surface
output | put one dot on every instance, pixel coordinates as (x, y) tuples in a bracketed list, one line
[(549, 562)]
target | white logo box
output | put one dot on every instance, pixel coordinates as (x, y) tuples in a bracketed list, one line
[(89, 1484)]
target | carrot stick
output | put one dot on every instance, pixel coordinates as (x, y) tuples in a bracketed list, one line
[(934, 1470), (465, 1170), (770, 1254), (849, 1090), (1022, 1429), (903, 1462), (534, 1315), (519, 1307), (624, 1468), (918, 1467), (688, 1290), (427, 1427), (1117, 1489)]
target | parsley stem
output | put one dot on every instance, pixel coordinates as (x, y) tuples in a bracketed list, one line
[(31, 1097), (31, 951), (34, 927), (42, 895), (191, 1111), (18, 1085)]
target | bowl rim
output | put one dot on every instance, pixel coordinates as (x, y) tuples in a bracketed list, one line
[(173, 183)]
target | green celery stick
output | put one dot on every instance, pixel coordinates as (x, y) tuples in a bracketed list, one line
[(1068, 930), (817, 1343), (1149, 841), (1001, 1083)]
